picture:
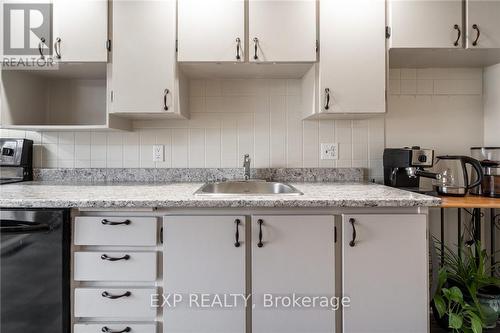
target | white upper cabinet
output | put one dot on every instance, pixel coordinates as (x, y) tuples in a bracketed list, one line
[(352, 57), (282, 30), (211, 30), (143, 78), (80, 30), (426, 24), (292, 254), (384, 270), (204, 255), (483, 24)]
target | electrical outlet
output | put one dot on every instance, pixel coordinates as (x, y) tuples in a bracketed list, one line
[(329, 151), (158, 153)]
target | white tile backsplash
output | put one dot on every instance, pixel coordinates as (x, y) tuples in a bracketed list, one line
[(263, 118)]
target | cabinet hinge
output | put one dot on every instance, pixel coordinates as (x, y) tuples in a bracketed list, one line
[(112, 96), (335, 234), (161, 235), (108, 45), (176, 45), (387, 32), (317, 46)]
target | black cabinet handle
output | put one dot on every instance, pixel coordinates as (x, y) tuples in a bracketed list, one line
[(165, 94), (108, 258), (57, 48), (456, 27), (108, 330), (256, 45), (107, 222), (260, 244), (353, 241), (327, 95), (108, 295), (237, 235), (475, 27), (238, 48), (40, 47)]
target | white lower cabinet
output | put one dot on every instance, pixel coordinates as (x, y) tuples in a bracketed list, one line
[(114, 327), (292, 255), (114, 266), (126, 303), (384, 272), (204, 255)]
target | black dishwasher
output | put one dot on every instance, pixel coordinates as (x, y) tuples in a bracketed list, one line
[(35, 270)]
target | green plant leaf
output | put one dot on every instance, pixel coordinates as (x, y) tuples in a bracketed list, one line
[(456, 295), (476, 324), (440, 305), (455, 321)]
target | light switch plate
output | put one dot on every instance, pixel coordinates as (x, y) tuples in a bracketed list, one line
[(329, 151), (158, 153)]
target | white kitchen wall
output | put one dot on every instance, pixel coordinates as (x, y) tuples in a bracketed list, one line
[(492, 106), (436, 108), (229, 118)]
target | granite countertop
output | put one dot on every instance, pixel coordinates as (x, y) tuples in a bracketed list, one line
[(180, 195)]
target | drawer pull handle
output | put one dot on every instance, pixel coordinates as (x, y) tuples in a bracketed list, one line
[(475, 27), (107, 222), (40, 48), (459, 34), (108, 258), (108, 295), (352, 243), (260, 244), (238, 48), (256, 46), (108, 330), (237, 235), (57, 48), (327, 95)]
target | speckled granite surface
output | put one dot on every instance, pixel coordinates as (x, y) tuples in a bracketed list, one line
[(181, 195), (198, 174)]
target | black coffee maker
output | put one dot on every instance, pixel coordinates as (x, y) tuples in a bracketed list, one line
[(404, 166)]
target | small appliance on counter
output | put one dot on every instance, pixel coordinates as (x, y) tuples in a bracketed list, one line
[(16, 160), (404, 166), (450, 176), (489, 158)]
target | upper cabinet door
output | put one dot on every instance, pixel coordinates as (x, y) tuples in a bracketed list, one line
[(426, 24), (296, 255), (282, 30), (211, 30), (385, 260), (80, 30), (204, 255), (143, 56), (352, 39), (483, 24)]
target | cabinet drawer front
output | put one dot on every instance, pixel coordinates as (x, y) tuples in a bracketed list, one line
[(115, 266), (98, 230), (90, 302), (114, 327)]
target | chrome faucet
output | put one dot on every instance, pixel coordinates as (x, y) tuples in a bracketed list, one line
[(246, 165)]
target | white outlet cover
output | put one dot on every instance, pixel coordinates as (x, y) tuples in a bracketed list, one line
[(158, 153), (329, 151)]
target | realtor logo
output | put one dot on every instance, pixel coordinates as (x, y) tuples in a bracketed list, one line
[(27, 29)]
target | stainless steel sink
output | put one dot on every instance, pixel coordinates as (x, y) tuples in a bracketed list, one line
[(250, 187)]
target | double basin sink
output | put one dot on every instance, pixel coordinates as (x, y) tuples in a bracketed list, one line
[(247, 187)]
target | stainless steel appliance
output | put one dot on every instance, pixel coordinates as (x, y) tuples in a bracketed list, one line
[(490, 161), (450, 176), (35, 270), (16, 160), (402, 166)]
